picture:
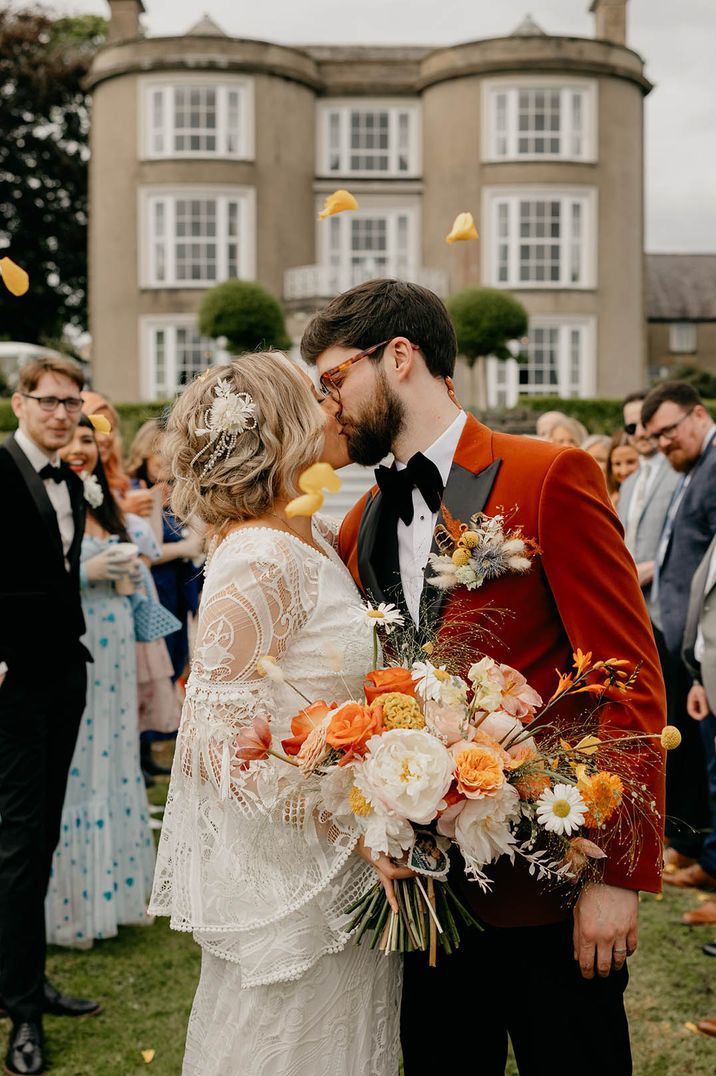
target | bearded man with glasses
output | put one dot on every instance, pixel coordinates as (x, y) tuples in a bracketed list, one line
[(43, 694), (679, 426)]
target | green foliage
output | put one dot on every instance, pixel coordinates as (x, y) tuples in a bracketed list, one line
[(598, 415), (246, 314), (44, 125), (485, 319), (704, 381)]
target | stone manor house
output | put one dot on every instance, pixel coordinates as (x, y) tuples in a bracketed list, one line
[(212, 155)]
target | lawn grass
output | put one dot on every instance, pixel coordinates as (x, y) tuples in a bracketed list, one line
[(146, 979)]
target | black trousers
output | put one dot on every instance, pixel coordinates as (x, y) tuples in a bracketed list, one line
[(40, 712), (688, 810), (522, 982)]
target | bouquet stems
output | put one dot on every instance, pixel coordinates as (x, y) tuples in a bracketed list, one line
[(430, 917)]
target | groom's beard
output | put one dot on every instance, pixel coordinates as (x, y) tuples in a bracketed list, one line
[(371, 434)]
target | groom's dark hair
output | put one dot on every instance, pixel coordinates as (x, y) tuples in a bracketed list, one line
[(379, 310)]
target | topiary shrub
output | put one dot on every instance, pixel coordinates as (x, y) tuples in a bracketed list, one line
[(246, 314), (485, 319)]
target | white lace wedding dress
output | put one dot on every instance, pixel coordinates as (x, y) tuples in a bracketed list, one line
[(257, 870)]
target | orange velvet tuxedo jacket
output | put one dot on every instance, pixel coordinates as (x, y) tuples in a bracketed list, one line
[(581, 591)]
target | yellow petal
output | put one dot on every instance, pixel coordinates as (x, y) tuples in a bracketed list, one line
[(319, 476), (588, 745), (304, 506), (148, 1056), (337, 202), (16, 279), (100, 423), (463, 228), (691, 1027)]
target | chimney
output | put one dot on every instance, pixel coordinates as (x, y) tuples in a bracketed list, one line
[(124, 19), (610, 20)]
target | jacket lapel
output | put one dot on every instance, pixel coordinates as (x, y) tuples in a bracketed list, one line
[(38, 492), (77, 500), (367, 543)]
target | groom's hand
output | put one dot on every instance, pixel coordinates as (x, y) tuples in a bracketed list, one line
[(605, 928)]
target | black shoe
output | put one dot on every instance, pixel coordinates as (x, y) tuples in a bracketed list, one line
[(24, 1056), (57, 1004), (149, 764), (710, 948), (149, 781)]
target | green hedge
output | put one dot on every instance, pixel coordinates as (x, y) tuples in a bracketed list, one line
[(598, 415)]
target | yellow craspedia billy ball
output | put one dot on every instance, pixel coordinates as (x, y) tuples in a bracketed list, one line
[(670, 737)]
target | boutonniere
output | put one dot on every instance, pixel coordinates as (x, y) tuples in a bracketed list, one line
[(93, 491), (478, 552)]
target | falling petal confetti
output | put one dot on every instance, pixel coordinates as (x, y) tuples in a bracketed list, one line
[(100, 423), (313, 481), (338, 202), (463, 228), (16, 279), (691, 1027), (148, 1056)]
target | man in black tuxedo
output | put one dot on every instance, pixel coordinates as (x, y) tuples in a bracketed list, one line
[(675, 418), (43, 694)]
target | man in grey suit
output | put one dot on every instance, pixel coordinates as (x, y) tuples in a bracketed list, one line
[(645, 495), (677, 422), (699, 653)]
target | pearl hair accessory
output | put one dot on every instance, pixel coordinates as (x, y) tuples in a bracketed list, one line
[(230, 415)]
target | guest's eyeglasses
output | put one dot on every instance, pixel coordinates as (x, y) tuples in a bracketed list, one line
[(71, 404), (668, 433), (630, 428), (332, 380)]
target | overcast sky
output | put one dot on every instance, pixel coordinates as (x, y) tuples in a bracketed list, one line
[(675, 37)]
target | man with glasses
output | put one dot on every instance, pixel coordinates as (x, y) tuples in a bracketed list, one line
[(43, 694), (680, 427), (385, 352), (645, 495)]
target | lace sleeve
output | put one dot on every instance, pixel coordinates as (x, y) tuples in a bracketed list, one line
[(327, 528), (248, 860)]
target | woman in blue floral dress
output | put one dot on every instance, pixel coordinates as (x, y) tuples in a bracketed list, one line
[(103, 866)]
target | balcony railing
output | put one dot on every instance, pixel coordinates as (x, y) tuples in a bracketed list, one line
[(325, 281)]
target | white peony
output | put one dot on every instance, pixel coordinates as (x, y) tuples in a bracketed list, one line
[(411, 772), (383, 830), (92, 490), (500, 726), (483, 828)]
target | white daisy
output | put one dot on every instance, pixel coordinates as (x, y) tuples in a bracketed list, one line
[(381, 616), (561, 809)]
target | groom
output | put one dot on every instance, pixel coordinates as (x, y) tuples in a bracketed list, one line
[(542, 973)]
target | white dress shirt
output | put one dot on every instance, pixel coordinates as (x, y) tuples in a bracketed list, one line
[(415, 540), (58, 492)]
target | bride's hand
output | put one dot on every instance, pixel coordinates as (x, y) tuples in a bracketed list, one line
[(387, 871)]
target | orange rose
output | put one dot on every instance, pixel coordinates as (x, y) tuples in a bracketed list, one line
[(303, 724), (478, 771), (383, 681), (351, 727)]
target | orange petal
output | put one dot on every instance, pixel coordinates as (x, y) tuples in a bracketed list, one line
[(304, 506), (337, 202), (463, 228), (303, 724), (100, 423), (16, 279), (319, 476)]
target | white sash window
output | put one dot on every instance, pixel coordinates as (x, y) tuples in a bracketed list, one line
[(373, 139), (198, 117), (537, 118)]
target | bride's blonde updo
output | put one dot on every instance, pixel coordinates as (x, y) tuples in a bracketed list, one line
[(265, 462)]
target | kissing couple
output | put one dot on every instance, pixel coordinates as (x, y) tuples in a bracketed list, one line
[(262, 874)]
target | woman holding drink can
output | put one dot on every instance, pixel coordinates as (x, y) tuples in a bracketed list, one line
[(102, 868)]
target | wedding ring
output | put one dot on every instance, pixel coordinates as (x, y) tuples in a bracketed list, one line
[(621, 950)]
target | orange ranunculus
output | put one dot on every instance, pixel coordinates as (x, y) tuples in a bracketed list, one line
[(478, 771), (383, 681), (351, 727), (303, 724)]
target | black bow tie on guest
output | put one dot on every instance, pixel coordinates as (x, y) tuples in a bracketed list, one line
[(49, 472), (397, 486)]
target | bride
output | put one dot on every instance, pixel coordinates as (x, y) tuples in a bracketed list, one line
[(260, 872)]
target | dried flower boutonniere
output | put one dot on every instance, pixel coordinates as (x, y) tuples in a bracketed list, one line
[(478, 552)]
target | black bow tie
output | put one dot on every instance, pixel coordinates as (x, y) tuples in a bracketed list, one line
[(55, 473), (397, 486)]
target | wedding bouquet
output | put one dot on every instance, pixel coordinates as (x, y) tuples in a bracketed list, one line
[(428, 760)]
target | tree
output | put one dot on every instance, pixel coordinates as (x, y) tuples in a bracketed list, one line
[(246, 314), (704, 381), (486, 321), (44, 124)]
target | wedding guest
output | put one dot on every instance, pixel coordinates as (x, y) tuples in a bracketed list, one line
[(103, 866), (598, 446), (677, 422), (138, 501), (568, 432), (622, 461), (547, 421), (43, 693), (645, 495), (699, 654)]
